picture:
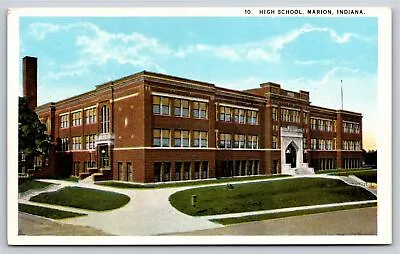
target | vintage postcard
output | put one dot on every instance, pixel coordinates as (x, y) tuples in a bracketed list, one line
[(166, 126)]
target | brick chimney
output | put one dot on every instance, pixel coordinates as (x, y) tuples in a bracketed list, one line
[(29, 75)]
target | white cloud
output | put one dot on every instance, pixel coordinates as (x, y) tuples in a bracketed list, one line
[(97, 47), (314, 62), (268, 49)]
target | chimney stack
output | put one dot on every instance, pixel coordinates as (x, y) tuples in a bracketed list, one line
[(29, 75)]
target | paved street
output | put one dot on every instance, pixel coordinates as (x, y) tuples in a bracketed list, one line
[(347, 222)]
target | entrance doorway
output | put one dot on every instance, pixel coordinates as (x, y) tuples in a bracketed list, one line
[(291, 155), (104, 161)]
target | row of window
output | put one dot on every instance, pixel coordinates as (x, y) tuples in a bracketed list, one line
[(90, 118), (323, 125), (351, 145), (323, 144), (185, 170), (288, 115), (242, 116), (77, 142), (351, 127), (224, 140), (181, 108), (179, 138)]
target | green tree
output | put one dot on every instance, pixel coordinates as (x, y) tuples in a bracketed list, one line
[(32, 137)]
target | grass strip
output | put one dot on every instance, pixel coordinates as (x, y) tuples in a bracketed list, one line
[(183, 183), (266, 195), (25, 184), (47, 212), (229, 221), (83, 198)]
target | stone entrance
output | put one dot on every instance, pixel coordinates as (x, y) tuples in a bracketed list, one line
[(292, 152)]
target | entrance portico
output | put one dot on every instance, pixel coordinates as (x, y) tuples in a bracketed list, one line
[(292, 152)]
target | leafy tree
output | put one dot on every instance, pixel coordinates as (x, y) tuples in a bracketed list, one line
[(32, 137)]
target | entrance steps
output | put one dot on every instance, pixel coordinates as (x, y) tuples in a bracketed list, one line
[(302, 170), (93, 175)]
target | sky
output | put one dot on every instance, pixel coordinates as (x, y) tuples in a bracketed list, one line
[(300, 53)]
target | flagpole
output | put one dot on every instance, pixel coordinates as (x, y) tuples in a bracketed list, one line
[(341, 91)]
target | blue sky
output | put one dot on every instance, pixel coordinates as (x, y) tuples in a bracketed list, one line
[(312, 54)]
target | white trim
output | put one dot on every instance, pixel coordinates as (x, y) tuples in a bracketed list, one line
[(248, 149), (351, 122), (291, 108), (192, 148), (63, 114), (168, 147), (324, 119), (75, 111), (179, 97), (236, 106), (177, 81), (310, 150), (94, 106), (124, 97)]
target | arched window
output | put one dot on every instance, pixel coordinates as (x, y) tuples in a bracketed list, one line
[(105, 119)]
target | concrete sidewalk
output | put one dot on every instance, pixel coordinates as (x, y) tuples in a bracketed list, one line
[(149, 211)]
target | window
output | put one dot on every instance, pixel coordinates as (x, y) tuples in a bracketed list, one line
[(345, 145), (161, 137), (77, 118), (313, 144), (200, 110), (304, 117), (351, 145), (329, 144), (225, 114), (181, 138), (313, 123), (274, 142), (225, 140), (105, 119), (90, 115), (296, 116), (320, 125), (254, 141), (181, 108), (90, 141), (200, 139), (239, 141), (274, 113), (239, 116), (76, 143), (357, 128), (357, 145), (329, 126), (304, 143), (252, 117), (65, 121), (321, 144), (64, 144), (161, 105)]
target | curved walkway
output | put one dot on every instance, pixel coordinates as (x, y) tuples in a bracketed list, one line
[(148, 212)]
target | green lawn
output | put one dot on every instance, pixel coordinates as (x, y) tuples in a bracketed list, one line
[(184, 183), (267, 195), (243, 219), (25, 184), (83, 198), (47, 212)]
